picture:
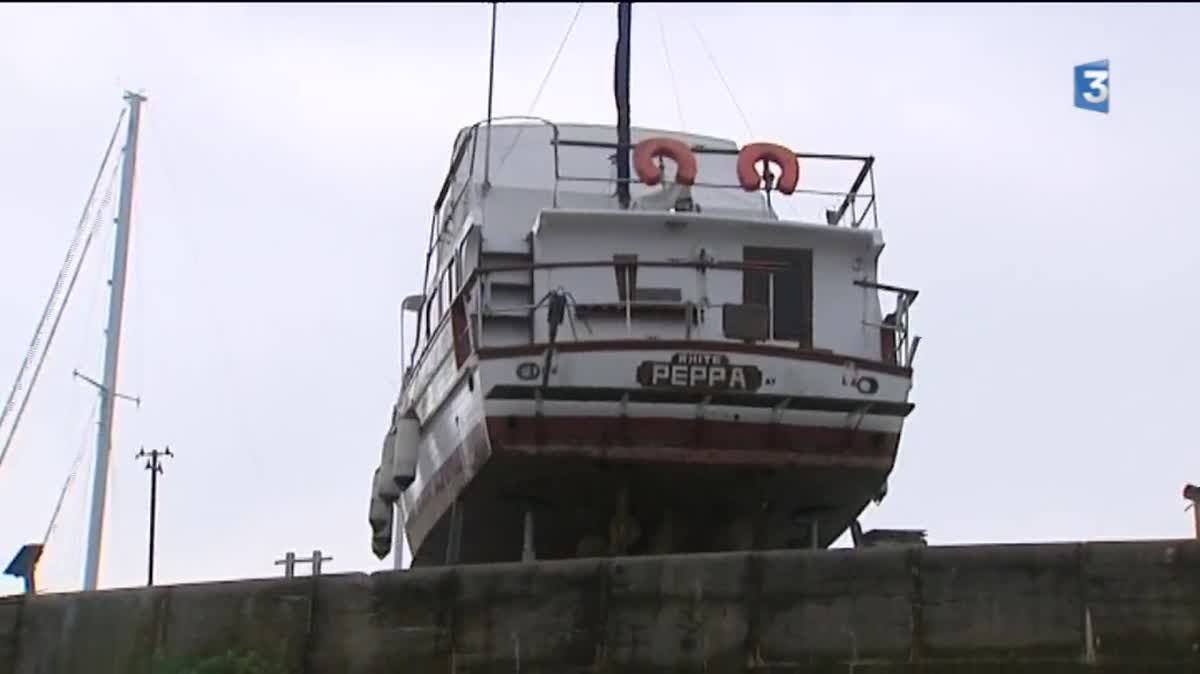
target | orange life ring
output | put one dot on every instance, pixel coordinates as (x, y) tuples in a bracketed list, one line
[(751, 179), (645, 152)]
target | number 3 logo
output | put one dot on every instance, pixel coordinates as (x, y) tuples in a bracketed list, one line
[(1097, 80), (1092, 86)]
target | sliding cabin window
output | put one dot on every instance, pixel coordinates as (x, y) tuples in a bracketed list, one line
[(792, 293)]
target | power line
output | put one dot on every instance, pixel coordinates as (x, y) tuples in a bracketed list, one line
[(545, 80), (43, 336), (554, 61), (662, 33), (62, 495), (729, 90)]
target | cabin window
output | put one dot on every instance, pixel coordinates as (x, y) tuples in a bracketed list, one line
[(792, 308)]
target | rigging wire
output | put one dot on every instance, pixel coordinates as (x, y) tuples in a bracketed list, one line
[(554, 62), (788, 205), (729, 90), (174, 178), (62, 495), (75, 254), (662, 33), (72, 249), (545, 80)]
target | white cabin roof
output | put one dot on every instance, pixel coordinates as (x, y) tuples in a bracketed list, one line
[(524, 156), (504, 175)]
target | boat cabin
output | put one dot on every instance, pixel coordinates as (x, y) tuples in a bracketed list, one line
[(530, 211)]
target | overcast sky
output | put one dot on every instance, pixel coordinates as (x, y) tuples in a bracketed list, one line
[(290, 156)]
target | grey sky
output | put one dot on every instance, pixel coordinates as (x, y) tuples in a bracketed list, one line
[(290, 156)]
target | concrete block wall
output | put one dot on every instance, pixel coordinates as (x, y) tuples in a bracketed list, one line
[(1094, 607)]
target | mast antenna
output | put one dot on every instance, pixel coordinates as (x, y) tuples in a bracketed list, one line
[(112, 346), (621, 93)]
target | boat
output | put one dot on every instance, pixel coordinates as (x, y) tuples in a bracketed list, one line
[(622, 348)]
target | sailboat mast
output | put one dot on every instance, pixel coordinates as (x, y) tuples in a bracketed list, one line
[(112, 347), (621, 92)]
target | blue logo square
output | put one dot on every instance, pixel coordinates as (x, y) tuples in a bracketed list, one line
[(1092, 86)]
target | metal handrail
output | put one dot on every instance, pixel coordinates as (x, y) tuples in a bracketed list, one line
[(470, 136), (905, 348), (866, 172), (906, 343)]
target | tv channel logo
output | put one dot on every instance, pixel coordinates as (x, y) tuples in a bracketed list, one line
[(1091, 86)]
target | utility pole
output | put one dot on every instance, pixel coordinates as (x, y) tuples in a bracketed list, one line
[(112, 347), (155, 467)]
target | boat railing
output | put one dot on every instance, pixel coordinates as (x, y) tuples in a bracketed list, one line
[(445, 210), (853, 206), (899, 345), (747, 321), (853, 202)]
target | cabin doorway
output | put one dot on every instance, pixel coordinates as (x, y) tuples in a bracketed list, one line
[(793, 296)]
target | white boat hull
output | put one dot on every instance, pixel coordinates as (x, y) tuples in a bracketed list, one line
[(818, 432)]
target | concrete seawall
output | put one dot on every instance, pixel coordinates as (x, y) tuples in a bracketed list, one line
[(1112, 607)]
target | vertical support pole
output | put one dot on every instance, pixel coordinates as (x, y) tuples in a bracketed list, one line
[(288, 563), (398, 540), (454, 535), (1192, 493), (91, 570), (874, 199), (628, 302), (480, 294), (770, 306), (527, 551), (317, 561)]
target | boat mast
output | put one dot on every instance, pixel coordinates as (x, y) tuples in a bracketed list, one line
[(621, 93), (112, 346)]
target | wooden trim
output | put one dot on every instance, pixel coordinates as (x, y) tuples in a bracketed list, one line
[(790, 353)]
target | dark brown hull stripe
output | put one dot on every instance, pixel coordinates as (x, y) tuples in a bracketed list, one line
[(488, 353), (732, 399), (710, 457), (659, 440), (650, 433)]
